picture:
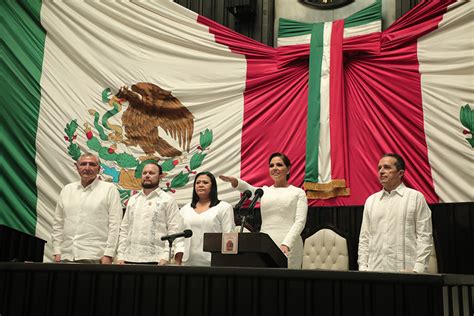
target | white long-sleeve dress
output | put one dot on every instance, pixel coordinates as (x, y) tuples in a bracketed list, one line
[(217, 219), (283, 212)]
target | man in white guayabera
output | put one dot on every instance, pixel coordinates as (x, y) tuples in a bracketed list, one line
[(150, 215), (396, 227), (87, 217)]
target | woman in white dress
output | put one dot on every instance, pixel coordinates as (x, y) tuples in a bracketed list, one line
[(205, 214), (283, 207)]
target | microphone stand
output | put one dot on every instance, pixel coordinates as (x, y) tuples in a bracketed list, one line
[(257, 195), (170, 243), (243, 220), (242, 223), (246, 194)]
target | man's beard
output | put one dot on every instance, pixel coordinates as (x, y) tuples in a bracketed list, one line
[(150, 185)]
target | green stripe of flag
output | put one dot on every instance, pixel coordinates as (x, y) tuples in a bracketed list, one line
[(372, 13), (22, 50), (369, 14), (314, 102), (289, 28)]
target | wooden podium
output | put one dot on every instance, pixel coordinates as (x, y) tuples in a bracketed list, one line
[(255, 250)]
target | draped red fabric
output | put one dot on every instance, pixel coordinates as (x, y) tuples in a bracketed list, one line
[(365, 44), (383, 99), (287, 54), (275, 108), (337, 113), (383, 105), (419, 21)]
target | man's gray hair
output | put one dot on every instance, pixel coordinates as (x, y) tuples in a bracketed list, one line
[(88, 154)]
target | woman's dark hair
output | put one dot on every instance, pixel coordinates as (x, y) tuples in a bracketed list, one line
[(212, 195), (285, 159)]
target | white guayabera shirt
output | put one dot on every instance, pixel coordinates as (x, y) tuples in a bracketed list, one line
[(146, 220), (87, 221)]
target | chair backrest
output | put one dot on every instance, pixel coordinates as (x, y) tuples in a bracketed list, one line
[(326, 249)]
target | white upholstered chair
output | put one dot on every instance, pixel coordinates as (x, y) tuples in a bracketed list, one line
[(326, 249)]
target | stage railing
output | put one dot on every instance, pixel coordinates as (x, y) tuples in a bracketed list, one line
[(77, 289)]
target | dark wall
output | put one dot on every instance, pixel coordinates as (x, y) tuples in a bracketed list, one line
[(453, 225), (453, 229), (259, 23), (255, 20), (403, 6), (252, 18), (17, 246)]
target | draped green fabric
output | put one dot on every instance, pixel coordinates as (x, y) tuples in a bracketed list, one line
[(22, 57), (369, 14), (288, 28), (319, 163), (372, 13), (314, 103)]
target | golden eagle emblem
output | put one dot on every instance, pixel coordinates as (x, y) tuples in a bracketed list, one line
[(151, 107)]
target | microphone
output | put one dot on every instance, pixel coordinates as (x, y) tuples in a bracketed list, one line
[(245, 195), (257, 195), (186, 234)]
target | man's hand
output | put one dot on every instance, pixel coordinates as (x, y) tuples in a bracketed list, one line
[(163, 262), (106, 260), (120, 261), (57, 258), (285, 249), (178, 258)]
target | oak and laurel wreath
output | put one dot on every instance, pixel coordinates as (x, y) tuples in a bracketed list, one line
[(466, 117), (127, 161)]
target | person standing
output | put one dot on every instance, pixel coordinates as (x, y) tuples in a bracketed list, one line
[(87, 217), (205, 214), (396, 231), (283, 208), (150, 215)]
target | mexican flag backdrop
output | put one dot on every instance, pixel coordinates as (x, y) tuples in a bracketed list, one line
[(137, 80)]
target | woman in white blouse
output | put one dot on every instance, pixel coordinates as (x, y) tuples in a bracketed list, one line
[(205, 214), (283, 207)]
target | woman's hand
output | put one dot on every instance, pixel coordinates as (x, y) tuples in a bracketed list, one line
[(285, 249), (233, 180)]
